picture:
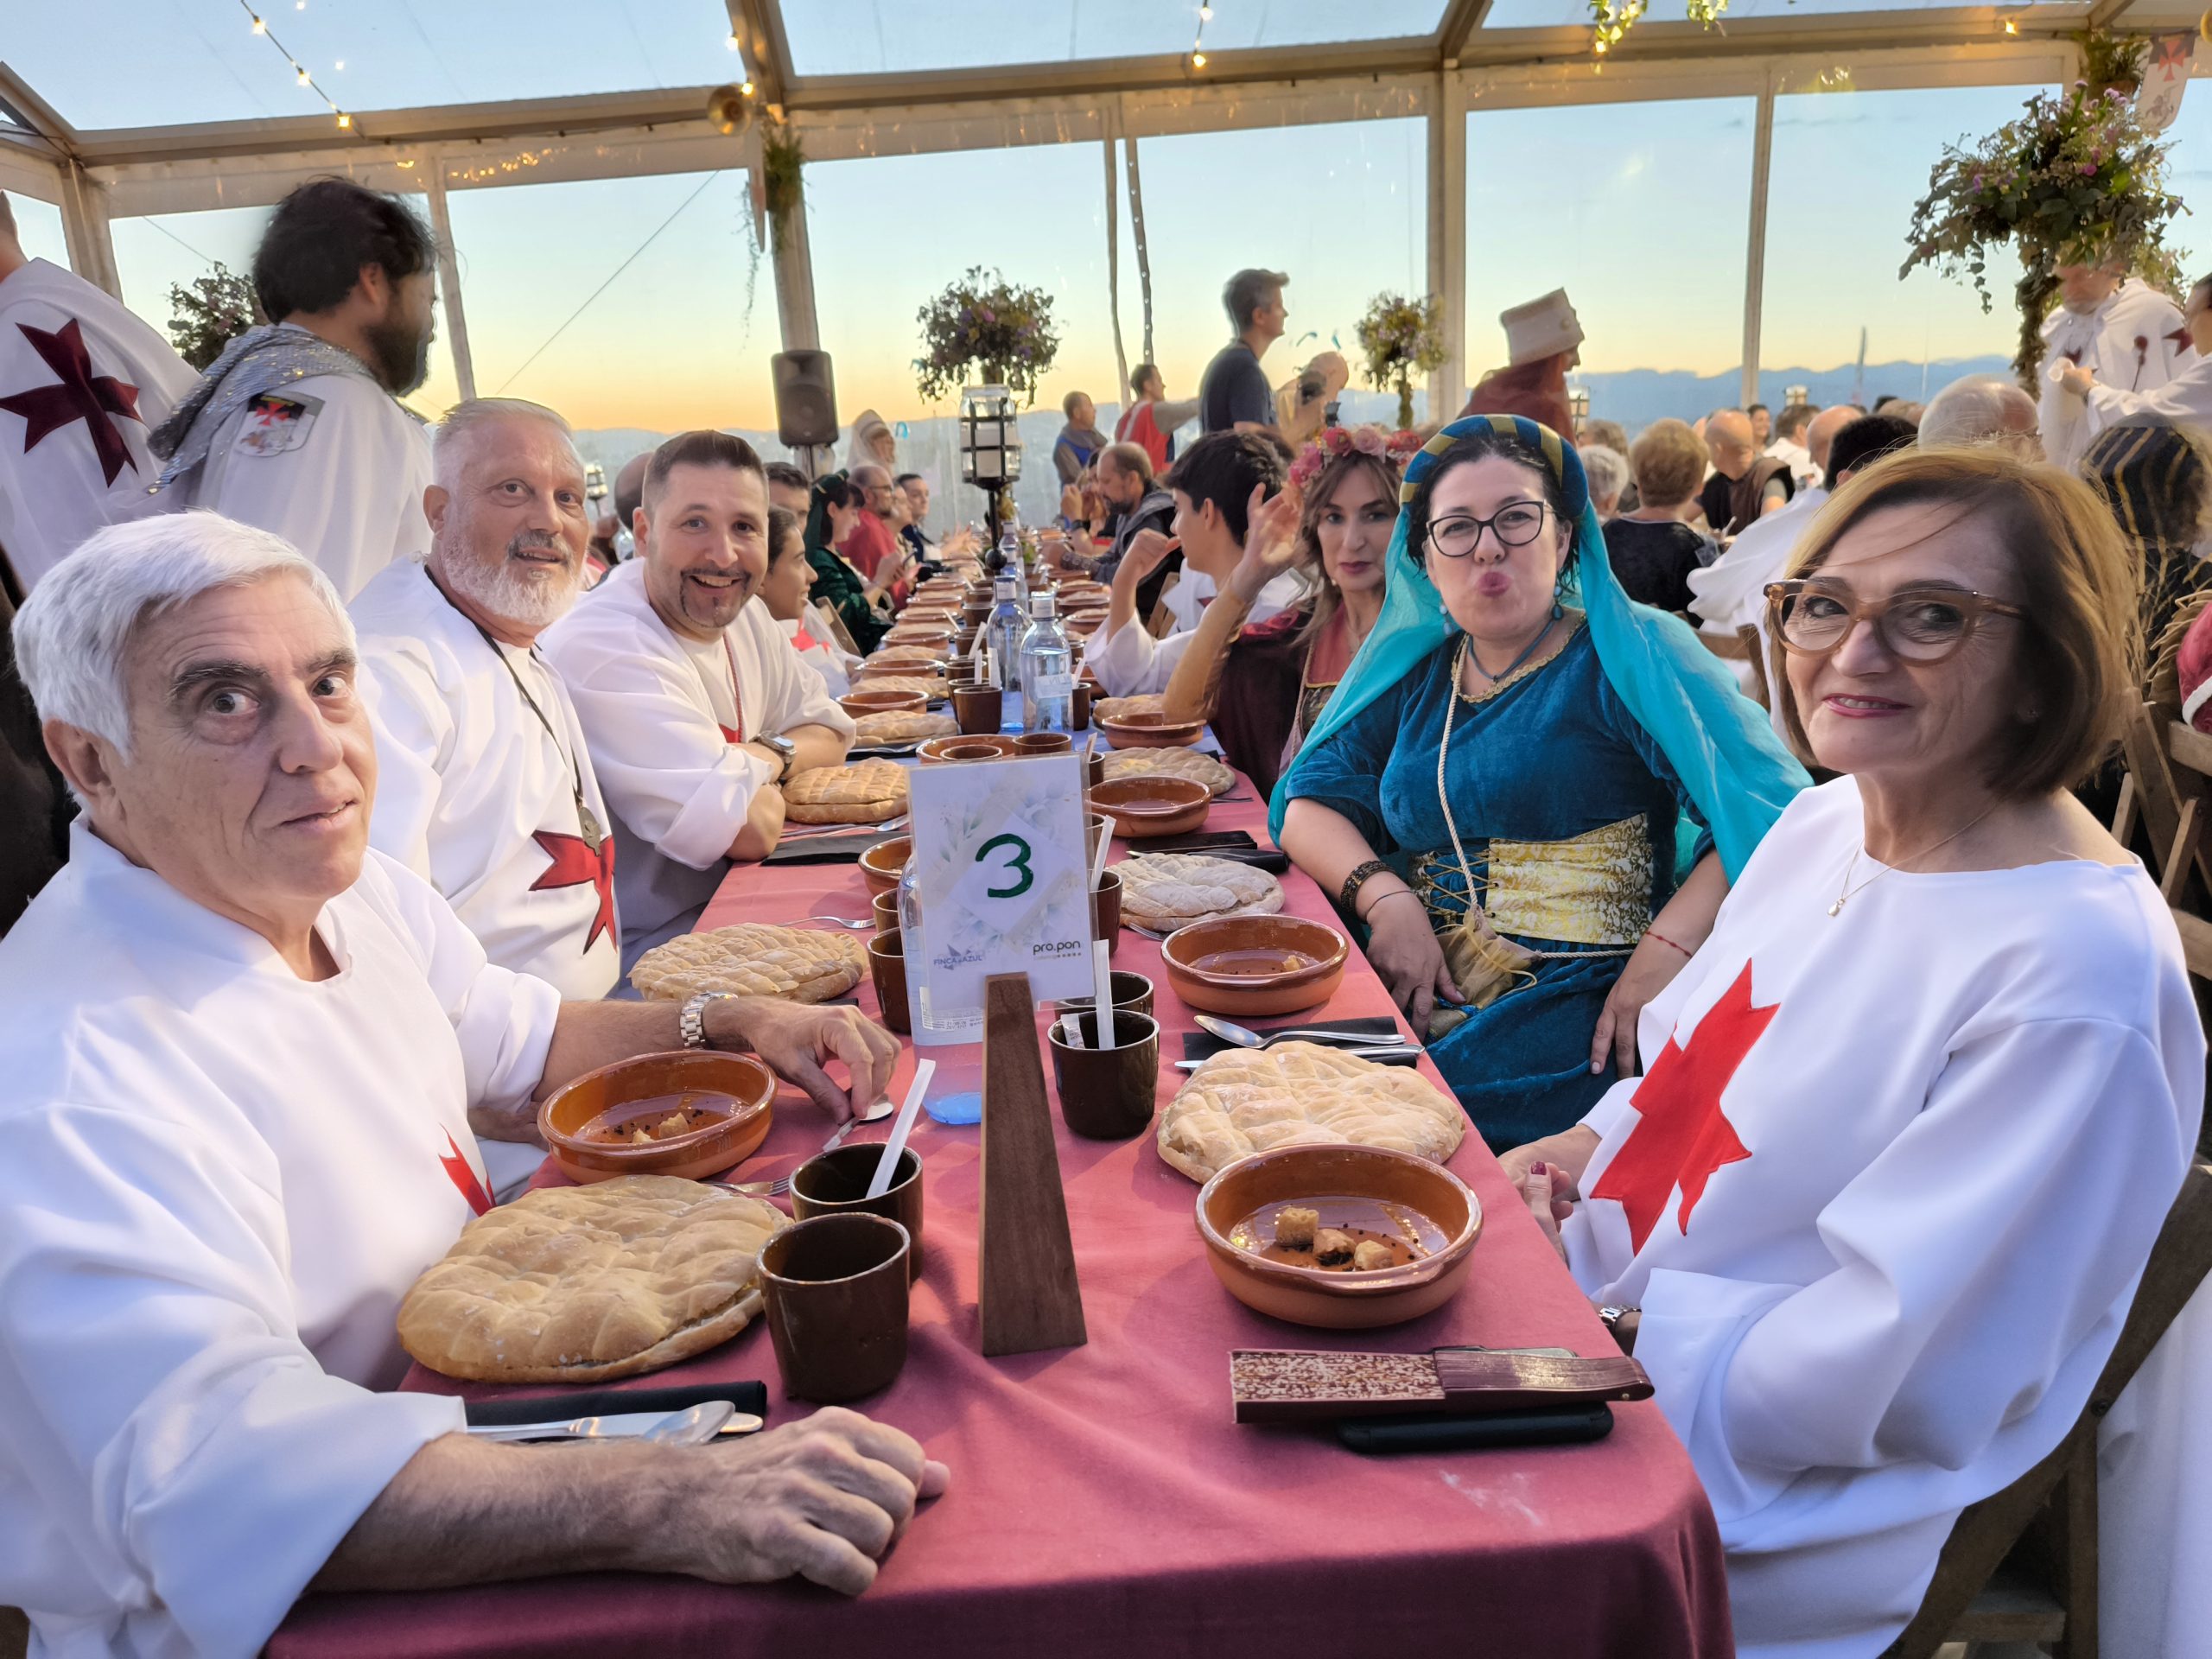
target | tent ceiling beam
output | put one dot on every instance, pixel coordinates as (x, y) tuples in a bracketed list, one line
[(1460, 20), (758, 24)]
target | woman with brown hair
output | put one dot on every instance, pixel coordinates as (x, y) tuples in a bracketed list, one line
[(1873, 1216), (1263, 687)]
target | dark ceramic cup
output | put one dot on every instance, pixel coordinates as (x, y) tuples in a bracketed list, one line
[(886, 966), (1107, 1094), (835, 1288), (978, 709), (1132, 993), (836, 1183), (1079, 706)]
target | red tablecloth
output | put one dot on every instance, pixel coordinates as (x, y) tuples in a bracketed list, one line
[(1102, 1503)]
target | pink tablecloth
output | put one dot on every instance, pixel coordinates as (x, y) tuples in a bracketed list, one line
[(1102, 1502)]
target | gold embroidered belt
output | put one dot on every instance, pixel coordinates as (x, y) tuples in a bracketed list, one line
[(1592, 889)]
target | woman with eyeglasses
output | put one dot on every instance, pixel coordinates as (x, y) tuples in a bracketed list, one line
[(1874, 1217), (1531, 790)]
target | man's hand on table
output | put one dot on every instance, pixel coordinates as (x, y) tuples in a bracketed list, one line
[(822, 1499), (795, 1041)]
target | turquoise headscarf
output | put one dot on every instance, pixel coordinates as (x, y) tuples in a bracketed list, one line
[(1717, 740)]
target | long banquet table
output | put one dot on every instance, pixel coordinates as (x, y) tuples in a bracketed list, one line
[(1102, 1503)]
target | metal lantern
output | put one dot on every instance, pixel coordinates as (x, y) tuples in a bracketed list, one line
[(1796, 397), (1578, 404), (990, 438)]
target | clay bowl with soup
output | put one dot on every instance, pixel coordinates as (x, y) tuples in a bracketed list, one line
[(1255, 965), (1420, 1214), (1148, 730), (1151, 805), (963, 747), (882, 864), (862, 703), (688, 1114)]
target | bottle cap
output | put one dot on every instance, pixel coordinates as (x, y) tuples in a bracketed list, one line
[(1041, 608), (1003, 588)]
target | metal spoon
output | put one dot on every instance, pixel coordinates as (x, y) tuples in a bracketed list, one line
[(1245, 1037), (842, 921), (782, 1183)]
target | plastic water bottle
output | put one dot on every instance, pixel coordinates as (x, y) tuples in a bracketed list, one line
[(933, 1023), (1047, 671), (1005, 630)]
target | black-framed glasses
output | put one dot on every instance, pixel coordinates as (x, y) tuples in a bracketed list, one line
[(1923, 624), (1516, 524)]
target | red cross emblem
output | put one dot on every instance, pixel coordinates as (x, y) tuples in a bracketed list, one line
[(1681, 1137), (574, 864), (79, 395), (458, 1171)]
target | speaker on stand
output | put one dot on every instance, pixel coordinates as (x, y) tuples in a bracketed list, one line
[(806, 405)]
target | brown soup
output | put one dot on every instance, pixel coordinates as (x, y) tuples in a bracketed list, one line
[(1257, 962), (659, 1117), (1410, 1233)]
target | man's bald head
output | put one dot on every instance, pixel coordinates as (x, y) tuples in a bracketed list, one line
[(1982, 408), (1728, 437), (869, 476), (1820, 431), (630, 487)]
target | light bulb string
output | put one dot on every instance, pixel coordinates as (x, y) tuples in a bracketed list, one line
[(306, 78)]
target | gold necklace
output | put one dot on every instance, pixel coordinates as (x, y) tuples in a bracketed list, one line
[(1848, 892)]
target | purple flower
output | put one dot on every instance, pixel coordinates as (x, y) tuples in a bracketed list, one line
[(2087, 169), (1368, 440)]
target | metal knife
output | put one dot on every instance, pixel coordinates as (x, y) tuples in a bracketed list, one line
[(687, 1427)]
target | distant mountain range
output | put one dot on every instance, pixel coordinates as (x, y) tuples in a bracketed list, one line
[(1635, 397)]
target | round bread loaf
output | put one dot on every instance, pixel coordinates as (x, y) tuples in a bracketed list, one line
[(800, 964), (1252, 1099), (866, 792)]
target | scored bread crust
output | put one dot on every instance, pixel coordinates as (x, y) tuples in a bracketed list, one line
[(1251, 1100), (1198, 767), (752, 959), (1166, 891), (903, 726), (863, 792), (586, 1284)]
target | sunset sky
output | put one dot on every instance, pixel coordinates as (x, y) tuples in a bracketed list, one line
[(1639, 210)]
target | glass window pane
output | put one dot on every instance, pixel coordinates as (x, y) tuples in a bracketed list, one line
[(849, 37), (1641, 212), (196, 61), (666, 344), (1847, 169), (38, 225), (160, 251), (1550, 14), (2188, 176)]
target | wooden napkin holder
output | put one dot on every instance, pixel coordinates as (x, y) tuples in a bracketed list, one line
[(1028, 1295), (1301, 1386)]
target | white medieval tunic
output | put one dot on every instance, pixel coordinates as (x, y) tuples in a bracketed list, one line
[(83, 381), (2134, 342), (821, 654), (1132, 663), (480, 797), (666, 716), (1884, 1195), (335, 466), (217, 1181)]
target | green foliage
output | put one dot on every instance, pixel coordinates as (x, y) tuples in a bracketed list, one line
[(783, 159), (2076, 180), (208, 313), (1401, 338), (984, 323)]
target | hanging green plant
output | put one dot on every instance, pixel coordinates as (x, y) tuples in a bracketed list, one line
[(1611, 20), (2076, 180), (210, 312), (1401, 338), (984, 323), (782, 160)]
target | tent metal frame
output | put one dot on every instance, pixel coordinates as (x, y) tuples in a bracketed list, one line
[(1462, 66)]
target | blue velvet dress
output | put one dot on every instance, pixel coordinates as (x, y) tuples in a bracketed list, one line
[(1567, 811)]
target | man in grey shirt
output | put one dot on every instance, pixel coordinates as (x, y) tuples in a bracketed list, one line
[(1235, 395)]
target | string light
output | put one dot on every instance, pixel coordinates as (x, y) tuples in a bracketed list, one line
[(300, 70), (745, 87), (2012, 25), (733, 42), (1198, 41)]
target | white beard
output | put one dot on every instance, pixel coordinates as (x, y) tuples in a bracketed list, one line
[(524, 597)]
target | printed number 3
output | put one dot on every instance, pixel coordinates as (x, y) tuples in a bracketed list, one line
[(1020, 863)]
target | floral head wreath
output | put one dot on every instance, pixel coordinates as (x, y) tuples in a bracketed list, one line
[(1395, 448)]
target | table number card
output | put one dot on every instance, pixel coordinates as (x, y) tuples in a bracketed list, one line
[(1004, 886)]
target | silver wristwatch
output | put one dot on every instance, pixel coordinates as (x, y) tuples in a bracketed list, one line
[(785, 750), (1612, 1316), (691, 1023)]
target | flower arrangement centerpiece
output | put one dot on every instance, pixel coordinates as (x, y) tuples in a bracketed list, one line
[(984, 323), (2075, 180), (210, 314), (1401, 338), (1335, 442)]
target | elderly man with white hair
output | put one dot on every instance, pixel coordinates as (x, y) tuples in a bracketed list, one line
[(2185, 400), (1982, 409), (244, 1052), (485, 786)]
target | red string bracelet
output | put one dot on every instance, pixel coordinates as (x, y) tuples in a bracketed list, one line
[(1654, 933)]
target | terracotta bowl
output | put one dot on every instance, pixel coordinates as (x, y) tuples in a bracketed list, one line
[(882, 864), (872, 670), (1143, 807), (1340, 1301), (963, 747), (1148, 731), (938, 634), (717, 1146), (1233, 965), (860, 703)]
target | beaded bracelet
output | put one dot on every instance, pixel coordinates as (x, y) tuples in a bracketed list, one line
[(1361, 875)]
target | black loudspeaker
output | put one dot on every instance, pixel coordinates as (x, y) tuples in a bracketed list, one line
[(806, 398)]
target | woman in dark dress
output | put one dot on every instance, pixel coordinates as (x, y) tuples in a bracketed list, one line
[(1651, 549)]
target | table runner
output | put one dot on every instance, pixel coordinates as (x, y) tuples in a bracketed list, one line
[(1102, 1504)]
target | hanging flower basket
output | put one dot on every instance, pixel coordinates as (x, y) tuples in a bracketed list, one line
[(983, 324), (2076, 180), (1401, 338)]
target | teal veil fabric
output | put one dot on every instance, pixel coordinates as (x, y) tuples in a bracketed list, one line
[(1718, 739)]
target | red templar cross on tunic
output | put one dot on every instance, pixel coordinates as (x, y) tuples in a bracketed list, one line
[(574, 864), (79, 394), (1681, 1136)]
